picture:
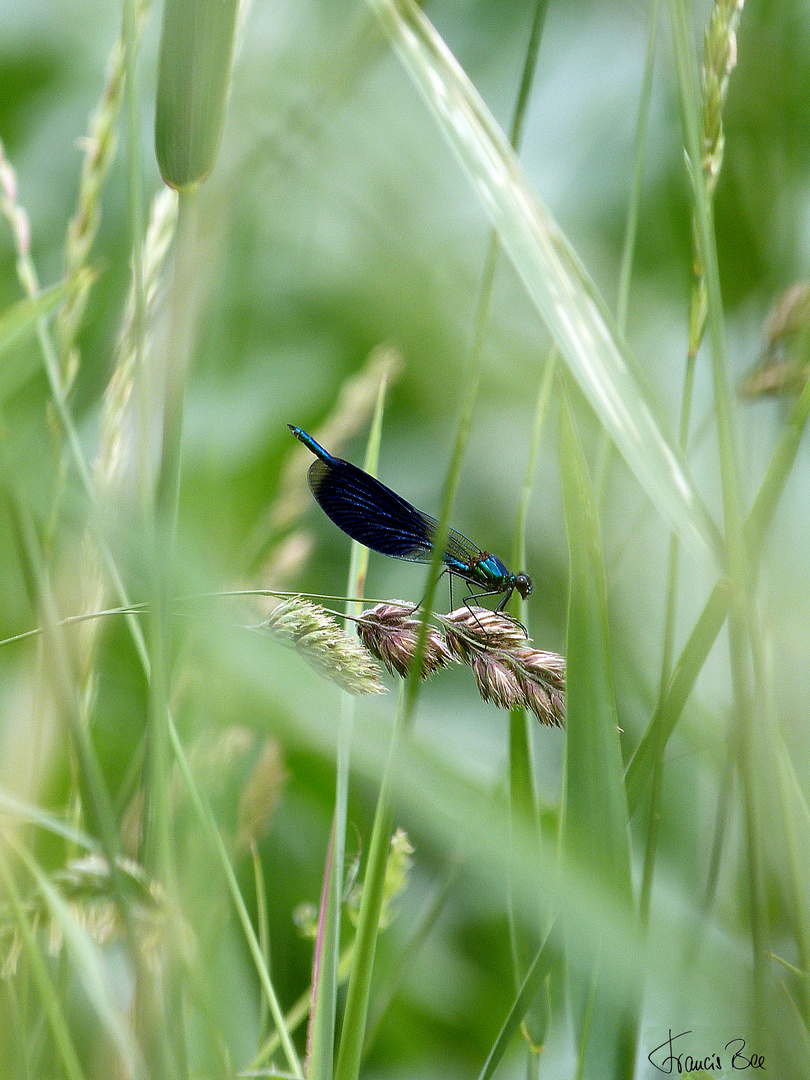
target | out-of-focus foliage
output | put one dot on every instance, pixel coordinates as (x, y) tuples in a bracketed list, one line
[(336, 222)]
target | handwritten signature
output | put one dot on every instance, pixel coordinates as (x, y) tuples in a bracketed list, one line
[(733, 1056)]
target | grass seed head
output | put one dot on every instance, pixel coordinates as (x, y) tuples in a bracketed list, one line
[(313, 633), (390, 633)]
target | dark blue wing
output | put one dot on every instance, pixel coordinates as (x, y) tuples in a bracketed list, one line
[(370, 512), (376, 516)]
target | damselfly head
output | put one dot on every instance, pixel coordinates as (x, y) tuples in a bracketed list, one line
[(523, 584)]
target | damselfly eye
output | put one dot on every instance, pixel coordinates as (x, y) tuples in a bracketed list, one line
[(523, 584)]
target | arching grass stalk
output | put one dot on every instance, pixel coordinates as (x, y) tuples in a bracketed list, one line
[(581, 325)]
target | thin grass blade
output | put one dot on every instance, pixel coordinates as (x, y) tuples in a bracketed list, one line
[(19, 810), (538, 969), (66, 1052), (355, 1016), (596, 809), (322, 1030), (23, 316), (710, 623), (209, 826), (596, 819), (90, 969)]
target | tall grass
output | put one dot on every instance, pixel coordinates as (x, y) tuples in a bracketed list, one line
[(623, 897)]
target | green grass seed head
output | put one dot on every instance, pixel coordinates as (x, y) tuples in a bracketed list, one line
[(196, 47)]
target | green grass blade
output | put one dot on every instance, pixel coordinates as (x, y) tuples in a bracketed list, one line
[(358, 993), (66, 1051), (264, 930), (209, 825), (684, 676), (523, 796), (321, 1033), (596, 808), (19, 810), (710, 623), (355, 1016), (604, 453), (596, 819), (21, 318), (797, 837), (773, 483), (558, 284), (89, 967), (639, 147), (538, 970)]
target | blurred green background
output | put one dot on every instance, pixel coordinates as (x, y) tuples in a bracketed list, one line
[(337, 222)]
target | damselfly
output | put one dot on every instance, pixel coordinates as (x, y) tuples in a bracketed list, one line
[(375, 516)]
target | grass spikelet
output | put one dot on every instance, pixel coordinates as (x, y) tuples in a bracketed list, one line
[(116, 423), (470, 630), (86, 885), (542, 684), (496, 682), (260, 795), (113, 450), (99, 144), (19, 224), (719, 60), (509, 672), (315, 635), (390, 633), (14, 214), (397, 875), (784, 365), (88, 878)]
